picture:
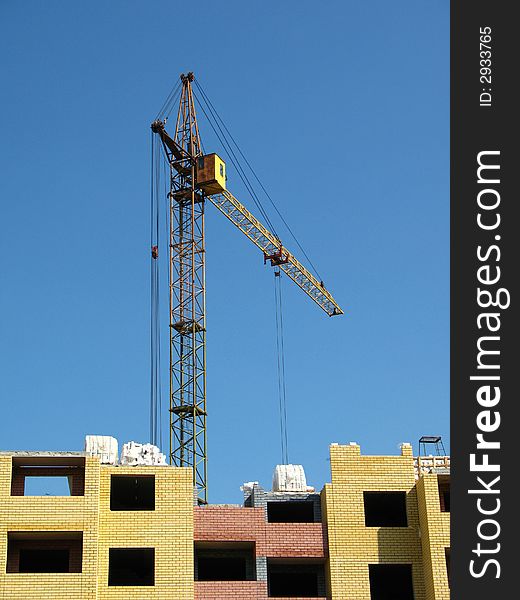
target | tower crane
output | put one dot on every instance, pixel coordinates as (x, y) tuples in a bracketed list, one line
[(194, 178)]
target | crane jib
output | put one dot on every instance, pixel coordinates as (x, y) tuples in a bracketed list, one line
[(274, 251)]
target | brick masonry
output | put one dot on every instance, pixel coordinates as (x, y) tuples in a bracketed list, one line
[(223, 524), (353, 546), (435, 537), (239, 524), (338, 539), (169, 529)]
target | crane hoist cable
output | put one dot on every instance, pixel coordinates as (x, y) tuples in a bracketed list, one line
[(155, 330), (205, 97), (280, 353)]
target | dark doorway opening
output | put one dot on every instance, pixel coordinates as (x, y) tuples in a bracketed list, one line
[(444, 493), (391, 582), (290, 512), (132, 492), (226, 561), (44, 552), (131, 566), (220, 568), (295, 580), (385, 509), (50, 560)]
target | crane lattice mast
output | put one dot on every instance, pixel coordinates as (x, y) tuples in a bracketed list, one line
[(195, 177), (187, 404)]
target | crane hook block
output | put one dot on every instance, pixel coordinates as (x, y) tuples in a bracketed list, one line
[(278, 258), (155, 252)]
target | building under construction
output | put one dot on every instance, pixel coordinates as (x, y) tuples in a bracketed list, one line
[(378, 531), (137, 528)]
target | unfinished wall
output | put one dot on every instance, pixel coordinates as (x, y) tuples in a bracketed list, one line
[(280, 541), (380, 526), (353, 545), (30, 522), (435, 530), (168, 529), (40, 514)]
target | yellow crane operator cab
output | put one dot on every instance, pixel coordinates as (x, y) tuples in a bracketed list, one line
[(211, 174)]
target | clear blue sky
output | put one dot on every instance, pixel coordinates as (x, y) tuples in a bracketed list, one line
[(343, 109)]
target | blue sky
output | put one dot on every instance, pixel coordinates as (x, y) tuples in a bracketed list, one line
[(342, 108)]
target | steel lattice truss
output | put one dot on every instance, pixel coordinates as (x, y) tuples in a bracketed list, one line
[(187, 296), (274, 251), (187, 285)]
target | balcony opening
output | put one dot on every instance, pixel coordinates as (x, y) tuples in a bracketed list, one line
[(226, 561), (388, 582), (48, 560), (444, 492), (48, 476), (44, 552), (131, 566), (47, 486), (289, 579), (222, 568), (132, 492), (385, 509), (291, 512)]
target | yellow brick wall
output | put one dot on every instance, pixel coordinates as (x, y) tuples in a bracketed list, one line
[(352, 545), (435, 537), (50, 513), (169, 529)]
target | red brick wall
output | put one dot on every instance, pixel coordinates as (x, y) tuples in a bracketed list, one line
[(301, 540), (236, 524), (229, 524)]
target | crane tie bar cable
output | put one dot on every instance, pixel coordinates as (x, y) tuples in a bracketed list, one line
[(217, 116)]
